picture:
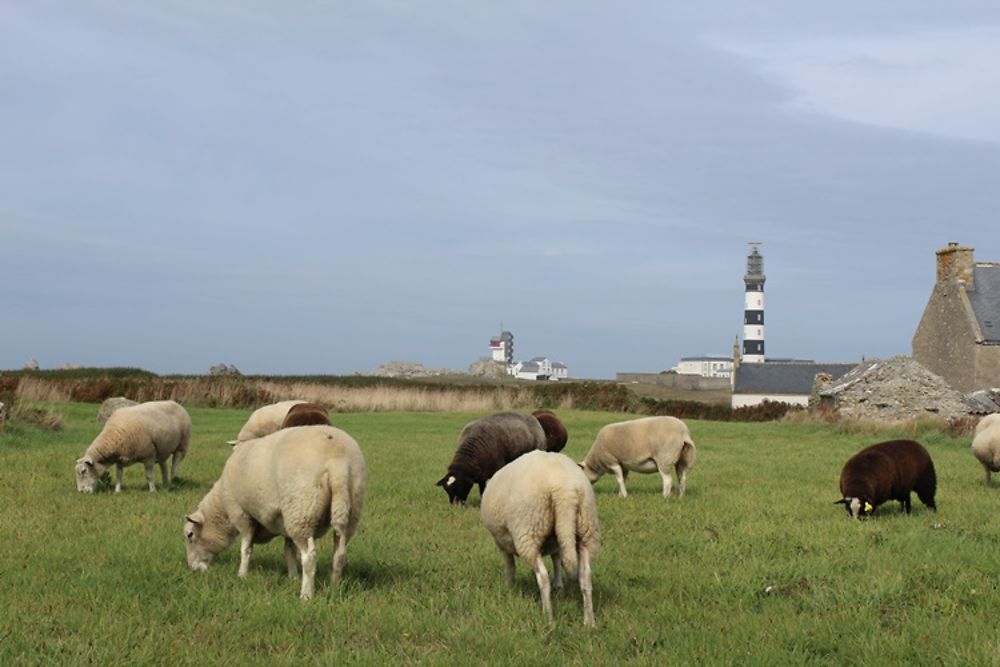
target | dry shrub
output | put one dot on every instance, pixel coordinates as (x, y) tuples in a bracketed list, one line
[(46, 419), (32, 389), (909, 428)]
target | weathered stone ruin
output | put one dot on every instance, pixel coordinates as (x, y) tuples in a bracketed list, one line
[(890, 390)]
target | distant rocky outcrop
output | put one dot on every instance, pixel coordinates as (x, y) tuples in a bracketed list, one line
[(894, 389), (112, 404), (486, 367), (31, 365), (409, 369), (223, 369)]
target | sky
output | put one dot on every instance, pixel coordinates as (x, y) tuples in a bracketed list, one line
[(323, 187)]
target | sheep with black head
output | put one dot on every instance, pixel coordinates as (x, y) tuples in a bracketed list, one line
[(887, 471), (485, 446)]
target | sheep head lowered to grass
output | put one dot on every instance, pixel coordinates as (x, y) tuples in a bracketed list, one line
[(887, 471)]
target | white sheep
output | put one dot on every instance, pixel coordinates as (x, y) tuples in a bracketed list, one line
[(264, 421), (540, 505), (642, 445), (146, 433), (299, 483), (986, 445)]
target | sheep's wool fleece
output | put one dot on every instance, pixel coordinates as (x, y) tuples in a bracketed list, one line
[(289, 480), (517, 506), (632, 442), (142, 432), (265, 420)]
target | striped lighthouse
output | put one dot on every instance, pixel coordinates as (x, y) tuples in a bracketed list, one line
[(753, 310)]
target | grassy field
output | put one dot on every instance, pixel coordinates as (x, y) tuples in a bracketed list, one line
[(755, 566)]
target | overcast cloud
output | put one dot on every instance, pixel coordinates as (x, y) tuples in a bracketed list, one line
[(323, 187)]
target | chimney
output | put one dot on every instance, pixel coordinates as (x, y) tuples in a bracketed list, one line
[(955, 263)]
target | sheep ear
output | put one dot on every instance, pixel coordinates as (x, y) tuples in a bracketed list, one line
[(232, 443), (441, 481), (842, 501), (197, 518)]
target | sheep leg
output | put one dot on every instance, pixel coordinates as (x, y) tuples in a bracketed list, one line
[(620, 477), (163, 473), (339, 553), (307, 552), (149, 476), (988, 479), (668, 482), (586, 588), (906, 503), (291, 556), (544, 587), (119, 470), (246, 548), (557, 580), (682, 476), (175, 464), (508, 569)]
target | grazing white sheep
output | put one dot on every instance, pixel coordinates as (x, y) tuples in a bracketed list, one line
[(299, 483), (538, 505), (643, 445), (146, 433), (264, 421), (986, 445)]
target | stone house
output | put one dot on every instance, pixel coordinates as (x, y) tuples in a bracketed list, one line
[(958, 336)]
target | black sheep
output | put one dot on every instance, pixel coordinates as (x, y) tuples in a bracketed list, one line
[(485, 446), (887, 471), (555, 432)]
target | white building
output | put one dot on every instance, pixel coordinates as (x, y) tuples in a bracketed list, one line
[(502, 347), (706, 367), (539, 368)]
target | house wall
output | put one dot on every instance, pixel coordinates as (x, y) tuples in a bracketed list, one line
[(945, 342), (987, 367)]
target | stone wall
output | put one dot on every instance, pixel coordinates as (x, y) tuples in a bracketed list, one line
[(675, 380)]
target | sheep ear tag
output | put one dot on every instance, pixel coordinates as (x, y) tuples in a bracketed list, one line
[(868, 506)]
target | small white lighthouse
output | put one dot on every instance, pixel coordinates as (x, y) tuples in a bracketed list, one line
[(753, 310)]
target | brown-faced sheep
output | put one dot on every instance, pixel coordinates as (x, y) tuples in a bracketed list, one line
[(887, 471), (539, 505), (299, 483), (556, 435), (485, 446), (306, 414), (650, 444)]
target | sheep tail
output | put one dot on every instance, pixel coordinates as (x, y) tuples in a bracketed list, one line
[(687, 453), (566, 508)]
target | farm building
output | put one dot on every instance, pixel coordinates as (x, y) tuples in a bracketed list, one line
[(958, 336), (707, 367), (540, 368), (780, 381)]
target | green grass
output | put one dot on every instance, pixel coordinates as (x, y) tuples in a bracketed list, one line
[(756, 566)]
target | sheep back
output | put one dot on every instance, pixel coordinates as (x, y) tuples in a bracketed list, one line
[(265, 421), (296, 482), (556, 434), (986, 446), (144, 432), (541, 504), (485, 446), (986, 422), (889, 471), (633, 443), (306, 414)]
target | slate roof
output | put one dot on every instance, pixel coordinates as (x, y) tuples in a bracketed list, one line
[(783, 378), (985, 299), (706, 358), (528, 367)]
